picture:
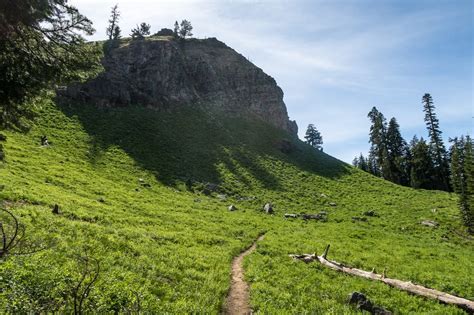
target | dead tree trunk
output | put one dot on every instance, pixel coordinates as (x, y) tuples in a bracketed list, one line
[(443, 297)]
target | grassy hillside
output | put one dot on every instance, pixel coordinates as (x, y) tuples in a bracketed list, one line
[(134, 194)]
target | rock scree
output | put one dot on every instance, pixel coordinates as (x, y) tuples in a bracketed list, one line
[(237, 302)]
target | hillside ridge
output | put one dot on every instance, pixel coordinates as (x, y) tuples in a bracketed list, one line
[(166, 74)]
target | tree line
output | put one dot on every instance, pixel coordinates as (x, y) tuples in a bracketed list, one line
[(421, 163), (114, 32)]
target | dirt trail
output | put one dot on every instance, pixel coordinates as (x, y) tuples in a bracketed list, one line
[(237, 302)]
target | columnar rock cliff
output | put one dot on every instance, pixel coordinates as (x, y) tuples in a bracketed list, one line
[(163, 73)]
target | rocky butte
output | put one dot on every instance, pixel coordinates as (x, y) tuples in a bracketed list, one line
[(164, 74)]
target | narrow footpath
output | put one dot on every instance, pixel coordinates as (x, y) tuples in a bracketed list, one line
[(237, 302)]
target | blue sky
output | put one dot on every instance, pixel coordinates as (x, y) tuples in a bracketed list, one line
[(337, 59)]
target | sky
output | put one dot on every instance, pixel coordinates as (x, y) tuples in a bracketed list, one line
[(336, 59)]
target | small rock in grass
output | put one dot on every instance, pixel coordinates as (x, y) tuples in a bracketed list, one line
[(359, 219), (323, 195), (222, 197), (332, 204), (56, 209), (268, 208), (44, 141), (322, 216), (232, 208), (197, 200), (291, 215), (370, 213), (364, 304), (3, 137), (430, 223), (101, 199)]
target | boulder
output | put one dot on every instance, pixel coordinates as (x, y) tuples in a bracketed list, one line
[(430, 223), (56, 209), (268, 208), (361, 302), (370, 213), (322, 216)]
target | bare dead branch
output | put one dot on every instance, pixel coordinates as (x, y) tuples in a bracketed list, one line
[(408, 286)]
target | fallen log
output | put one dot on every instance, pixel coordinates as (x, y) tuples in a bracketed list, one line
[(408, 286)]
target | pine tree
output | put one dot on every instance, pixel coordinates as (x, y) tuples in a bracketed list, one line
[(421, 166), (462, 178), (361, 163), (372, 164), (437, 148), (41, 45), (113, 30), (141, 31), (185, 29), (378, 150), (395, 147), (469, 175), (313, 137), (176, 29), (117, 33), (457, 169), (406, 165)]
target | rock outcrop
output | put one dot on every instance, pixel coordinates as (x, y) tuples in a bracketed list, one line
[(163, 73)]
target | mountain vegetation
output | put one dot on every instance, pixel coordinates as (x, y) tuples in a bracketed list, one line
[(150, 206), (130, 195), (313, 137), (419, 164), (41, 45)]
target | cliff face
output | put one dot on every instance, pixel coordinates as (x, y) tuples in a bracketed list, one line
[(166, 74)]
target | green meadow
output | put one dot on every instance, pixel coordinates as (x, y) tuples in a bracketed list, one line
[(145, 194)]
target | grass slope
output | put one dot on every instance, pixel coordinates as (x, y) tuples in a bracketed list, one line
[(131, 183)]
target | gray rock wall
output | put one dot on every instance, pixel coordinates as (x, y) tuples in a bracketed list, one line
[(166, 74)]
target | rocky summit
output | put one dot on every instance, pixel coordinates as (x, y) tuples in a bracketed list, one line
[(164, 74)]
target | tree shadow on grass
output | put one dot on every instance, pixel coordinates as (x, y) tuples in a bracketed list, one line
[(188, 144)]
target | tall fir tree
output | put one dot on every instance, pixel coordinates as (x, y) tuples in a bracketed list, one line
[(361, 163), (437, 148), (378, 150), (313, 137), (176, 30), (469, 171), (462, 178), (421, 164), (395, 148), (406, 165), (113, 30)]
